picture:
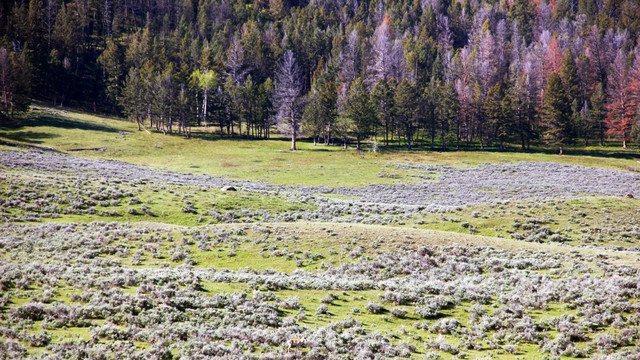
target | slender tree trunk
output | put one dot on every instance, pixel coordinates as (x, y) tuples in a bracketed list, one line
[(433, 134), (458, 135), (204, 107), (386, 133), (293, 141)]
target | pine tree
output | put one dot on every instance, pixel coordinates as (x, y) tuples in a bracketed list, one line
[(571, 82), (328, 100), (359, 111), (522, 11), (265, 107), (504, 128), (133, 97), (570, 79), (182, 103), (446, 109), (556, 112), (405, 110), (15, 86), (312, 116), (111, 61), (493, 111), (383, 97), (430, 99)]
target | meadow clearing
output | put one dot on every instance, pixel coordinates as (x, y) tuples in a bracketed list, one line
[(116, 243)]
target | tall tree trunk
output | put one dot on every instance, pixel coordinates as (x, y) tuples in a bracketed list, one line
[(458, 134), (204, 107), (433, 134), (293, 141)]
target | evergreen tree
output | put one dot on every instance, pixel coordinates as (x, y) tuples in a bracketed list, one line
[(133, 97), (504, 128), (265, 107), (522, 11), (359, 111), (328, 100), (15, 87), (111, 61), (383, 98), (556, 112), (312, 116), (492, 109), (405, 110), (570, 79), (571, 82), (447, 108)]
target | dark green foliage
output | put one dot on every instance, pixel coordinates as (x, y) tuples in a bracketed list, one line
[(111, 61), (522, 11), (499, 112), (556, 112), (406, 109), (359, 111), (15, 87)]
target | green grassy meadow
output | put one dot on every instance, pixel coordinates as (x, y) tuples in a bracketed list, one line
[(266, 160)]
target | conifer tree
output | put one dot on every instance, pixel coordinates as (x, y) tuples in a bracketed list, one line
[(383, 98), (405, 110), (359, 111), (556, 112)]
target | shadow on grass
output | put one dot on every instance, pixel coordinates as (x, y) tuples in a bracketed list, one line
[(610, 151), (17, 132), (31, 137)]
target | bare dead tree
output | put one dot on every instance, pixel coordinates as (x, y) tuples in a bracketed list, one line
[(349, 58), (235, 63), (287, 94), (381, 65)]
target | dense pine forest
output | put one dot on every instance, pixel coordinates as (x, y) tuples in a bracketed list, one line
[(434, 74)]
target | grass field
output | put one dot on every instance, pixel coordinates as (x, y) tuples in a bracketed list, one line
[(149, 258), (268, 161)]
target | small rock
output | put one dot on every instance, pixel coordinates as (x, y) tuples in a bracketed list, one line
[(228, 188)]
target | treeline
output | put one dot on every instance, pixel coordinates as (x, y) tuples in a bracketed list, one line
[(434, 73)]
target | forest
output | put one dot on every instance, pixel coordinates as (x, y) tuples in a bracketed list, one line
[(431, 74)]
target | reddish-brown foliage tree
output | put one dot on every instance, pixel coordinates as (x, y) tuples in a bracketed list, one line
[(622, 107)]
